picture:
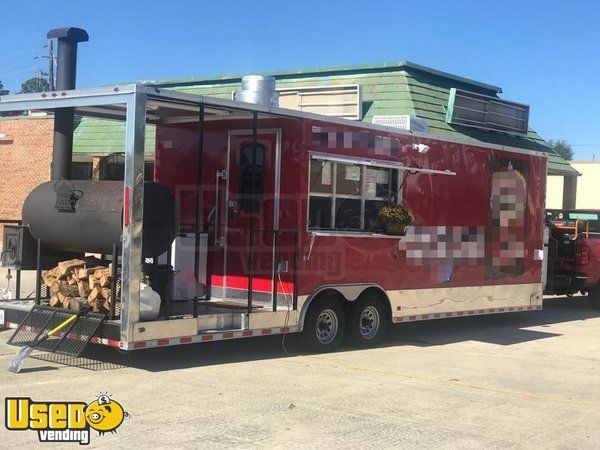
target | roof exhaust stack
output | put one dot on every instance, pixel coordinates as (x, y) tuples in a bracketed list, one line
[(62, 151), (258, 89)]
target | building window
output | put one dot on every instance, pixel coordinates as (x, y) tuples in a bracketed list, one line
[(252, 171), (112, 168), (81, 170), (348, 196)]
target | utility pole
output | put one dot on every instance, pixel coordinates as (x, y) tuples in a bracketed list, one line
[(51, 64), (51, 58)]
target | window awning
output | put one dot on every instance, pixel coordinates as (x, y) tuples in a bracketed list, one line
[(375, 162)]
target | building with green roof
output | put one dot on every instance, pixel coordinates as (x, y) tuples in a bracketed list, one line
[(361, 92)]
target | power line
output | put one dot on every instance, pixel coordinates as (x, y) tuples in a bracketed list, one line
[(14, 54), (17, 71)]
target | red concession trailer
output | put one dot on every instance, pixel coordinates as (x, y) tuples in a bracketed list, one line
[(278, 224)]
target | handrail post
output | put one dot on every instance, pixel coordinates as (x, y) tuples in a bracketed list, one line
[(198, 207), (250, 275), (275, 268), (295, 297), (18, 285), (38, 271), (113, 283)]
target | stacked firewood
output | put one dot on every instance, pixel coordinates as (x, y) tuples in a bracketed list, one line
[(77, 282)]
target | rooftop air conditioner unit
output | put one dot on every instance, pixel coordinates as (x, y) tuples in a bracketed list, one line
[(405, 122)]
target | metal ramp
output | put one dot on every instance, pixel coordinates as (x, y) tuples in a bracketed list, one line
[(70, 341)]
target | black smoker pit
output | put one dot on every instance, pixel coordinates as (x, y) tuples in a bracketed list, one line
[(87, 216)]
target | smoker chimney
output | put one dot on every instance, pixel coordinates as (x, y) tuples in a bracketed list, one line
[(65, 80)]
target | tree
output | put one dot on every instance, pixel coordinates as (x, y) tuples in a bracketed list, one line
[(5, 92), (563, 148), (35, 85)]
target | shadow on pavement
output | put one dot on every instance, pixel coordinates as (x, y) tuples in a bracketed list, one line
[(38, 369), (499, 329)]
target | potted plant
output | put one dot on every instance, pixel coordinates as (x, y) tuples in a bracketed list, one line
[(395, 219)]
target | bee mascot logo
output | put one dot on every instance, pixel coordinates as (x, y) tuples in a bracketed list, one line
[(64, 421)]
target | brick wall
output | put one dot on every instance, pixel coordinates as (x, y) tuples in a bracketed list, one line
[(25, 156)]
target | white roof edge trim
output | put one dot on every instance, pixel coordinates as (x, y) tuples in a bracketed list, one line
[(375, 163)]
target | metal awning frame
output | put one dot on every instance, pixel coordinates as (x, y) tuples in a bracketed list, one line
[(137, 106), (375, 163)]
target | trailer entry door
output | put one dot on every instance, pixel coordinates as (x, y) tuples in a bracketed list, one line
[(251, 203)]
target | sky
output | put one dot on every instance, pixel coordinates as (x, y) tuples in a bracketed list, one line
[(542, 53)]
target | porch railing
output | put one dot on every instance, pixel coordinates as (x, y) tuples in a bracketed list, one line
[(276, 233)]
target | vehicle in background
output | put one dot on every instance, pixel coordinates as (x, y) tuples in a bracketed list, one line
[(574, 253)]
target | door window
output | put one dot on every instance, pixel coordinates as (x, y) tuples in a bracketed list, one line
[(252, 176)]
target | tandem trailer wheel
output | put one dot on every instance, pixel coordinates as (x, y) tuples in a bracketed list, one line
[(367, 321), (324, 326)]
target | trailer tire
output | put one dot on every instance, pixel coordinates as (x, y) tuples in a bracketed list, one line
[(324, 326), (594, 297), (367, 321)]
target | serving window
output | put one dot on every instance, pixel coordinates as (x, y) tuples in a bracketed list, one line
[(347, 196)]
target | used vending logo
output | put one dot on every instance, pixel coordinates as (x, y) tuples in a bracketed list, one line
[(64, 421)]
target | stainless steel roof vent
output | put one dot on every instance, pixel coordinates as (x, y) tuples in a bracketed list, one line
[(258, 89)]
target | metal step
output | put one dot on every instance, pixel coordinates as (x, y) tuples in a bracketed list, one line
[(69, 341)]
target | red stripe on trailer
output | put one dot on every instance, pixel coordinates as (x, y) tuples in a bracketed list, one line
[(139, 344), (163, 342), (126, 202), (185, 340), (265, 331), (207, 337), (259, 284), (247, 333), (228, 335), (103, 341)]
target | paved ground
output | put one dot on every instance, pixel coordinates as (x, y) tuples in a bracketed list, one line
[(513, 380)]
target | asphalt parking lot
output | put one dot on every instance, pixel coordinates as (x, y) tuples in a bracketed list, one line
[(526, 380)]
